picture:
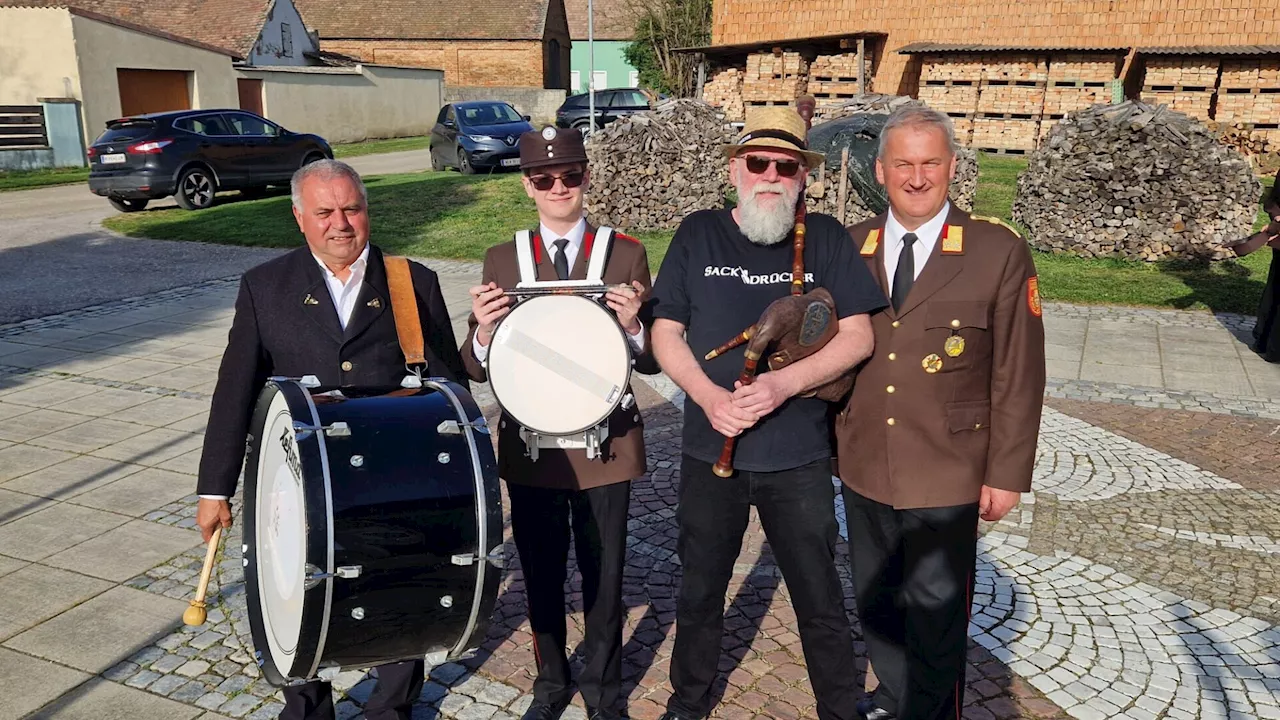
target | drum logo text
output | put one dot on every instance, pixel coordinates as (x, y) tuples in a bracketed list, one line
[(291, 453)]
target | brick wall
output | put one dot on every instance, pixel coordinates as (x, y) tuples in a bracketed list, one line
[(1125, 23), (472, 63)]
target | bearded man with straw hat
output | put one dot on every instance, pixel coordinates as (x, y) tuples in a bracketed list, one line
[(723, 268)]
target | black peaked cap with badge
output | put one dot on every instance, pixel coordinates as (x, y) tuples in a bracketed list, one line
[(551, 146)]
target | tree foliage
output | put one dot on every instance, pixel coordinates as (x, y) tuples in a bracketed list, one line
[(662, 26)]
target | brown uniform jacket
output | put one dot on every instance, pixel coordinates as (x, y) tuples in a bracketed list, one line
[(623, 451), (913, 439)]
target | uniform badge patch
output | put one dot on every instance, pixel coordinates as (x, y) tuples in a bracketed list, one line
[(953, 240), (872, 242), (1033, 296)]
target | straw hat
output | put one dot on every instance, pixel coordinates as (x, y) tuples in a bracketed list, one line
[(777, 128)]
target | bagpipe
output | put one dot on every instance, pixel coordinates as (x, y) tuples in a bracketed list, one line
[(789, 330)]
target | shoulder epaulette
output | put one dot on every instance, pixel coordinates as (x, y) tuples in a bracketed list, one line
[(997, 221), (621, 236)]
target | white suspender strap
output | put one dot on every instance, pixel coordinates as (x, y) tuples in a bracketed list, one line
[(524, 257), (599, 253)]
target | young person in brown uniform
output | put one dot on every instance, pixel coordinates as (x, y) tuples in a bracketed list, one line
[(324, 310), (563, 493), (942, 424), (724, 267)]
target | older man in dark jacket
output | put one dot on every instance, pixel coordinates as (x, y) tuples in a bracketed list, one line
[(323, 310)]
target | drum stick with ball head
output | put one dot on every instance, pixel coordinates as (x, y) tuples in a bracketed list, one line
[(196, 614)]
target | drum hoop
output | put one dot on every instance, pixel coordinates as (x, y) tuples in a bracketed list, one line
[(482, 510), (328, 511), (626, 384)]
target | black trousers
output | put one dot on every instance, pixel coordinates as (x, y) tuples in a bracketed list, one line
[(542, 521), (797, 511), (913, 577), (399, 685)]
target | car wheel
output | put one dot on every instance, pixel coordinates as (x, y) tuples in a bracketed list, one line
[(435, 161), (310, 158), (583, 127), (196, 189), (464, 163), (125, 205)]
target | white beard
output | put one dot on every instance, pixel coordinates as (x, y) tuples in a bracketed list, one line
[(767, 226)]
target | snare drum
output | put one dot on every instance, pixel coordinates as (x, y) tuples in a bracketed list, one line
[(559, 365), (370, 519)]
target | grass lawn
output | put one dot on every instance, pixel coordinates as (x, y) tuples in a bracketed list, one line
[(371, 147), (24, 179), (447, 215)]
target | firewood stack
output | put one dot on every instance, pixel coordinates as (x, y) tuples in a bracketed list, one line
[(652, 169), (823, 190), (1138, 182), (724, 90), (775, 79)]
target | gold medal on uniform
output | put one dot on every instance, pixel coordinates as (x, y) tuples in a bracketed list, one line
[(931, 363), (954, 346)]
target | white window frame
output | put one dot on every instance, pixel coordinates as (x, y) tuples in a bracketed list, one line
[(575, 80), (600, 80), (633, 79)]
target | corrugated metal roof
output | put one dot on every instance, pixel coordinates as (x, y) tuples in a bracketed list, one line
[(933, 47), (1213, 50)]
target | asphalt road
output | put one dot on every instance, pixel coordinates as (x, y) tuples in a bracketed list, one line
[(55, 256)]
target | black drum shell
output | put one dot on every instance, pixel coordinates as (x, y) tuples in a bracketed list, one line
[(401, 515)]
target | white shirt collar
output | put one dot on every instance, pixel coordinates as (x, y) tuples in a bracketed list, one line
[(574, 236), (926, 235), (357, 267)]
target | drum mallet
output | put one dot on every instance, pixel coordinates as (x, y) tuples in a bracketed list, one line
[(195, 614)]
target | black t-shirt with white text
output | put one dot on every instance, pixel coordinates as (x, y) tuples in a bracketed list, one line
[(717, 283)]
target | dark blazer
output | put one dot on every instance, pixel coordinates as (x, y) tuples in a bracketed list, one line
[(913, 439), (623, 451), (285, 324)]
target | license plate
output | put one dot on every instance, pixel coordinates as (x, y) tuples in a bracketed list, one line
[(113, 159), (510, 162)]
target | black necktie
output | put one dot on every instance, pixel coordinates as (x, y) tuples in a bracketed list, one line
[(905, 275), (560, 260)]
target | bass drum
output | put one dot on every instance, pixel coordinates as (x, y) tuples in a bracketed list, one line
[(373, 525), (559, 364)]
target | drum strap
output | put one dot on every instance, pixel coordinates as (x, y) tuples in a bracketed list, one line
[(404, 305), (599, 255), (524, 257)]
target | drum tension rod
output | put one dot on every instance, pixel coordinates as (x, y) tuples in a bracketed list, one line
[(453, 427), (496, 558), (314, 575), (336, 430)]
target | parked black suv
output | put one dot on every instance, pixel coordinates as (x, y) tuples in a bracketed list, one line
[(610, 105), (193, 154)]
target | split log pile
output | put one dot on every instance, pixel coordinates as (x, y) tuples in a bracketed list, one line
[(651, 169), (1137, 182)]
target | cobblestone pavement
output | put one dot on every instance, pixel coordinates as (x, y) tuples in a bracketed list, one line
[(1138, 580)]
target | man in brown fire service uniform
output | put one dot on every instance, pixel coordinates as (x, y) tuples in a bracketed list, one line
[(563, 489), (942, 424)]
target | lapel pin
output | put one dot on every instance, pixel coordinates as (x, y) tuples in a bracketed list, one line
[(308, 300), (374, 303)]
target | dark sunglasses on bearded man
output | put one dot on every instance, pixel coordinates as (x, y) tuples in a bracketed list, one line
[(757, 165)]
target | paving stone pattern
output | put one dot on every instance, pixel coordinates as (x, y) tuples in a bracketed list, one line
[(1138, 580)]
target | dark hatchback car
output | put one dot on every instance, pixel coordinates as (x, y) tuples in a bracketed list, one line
[(610, 105), (193, 154), (474, 135)]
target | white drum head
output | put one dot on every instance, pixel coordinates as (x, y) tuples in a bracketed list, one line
[(559, 364), (280, 535)]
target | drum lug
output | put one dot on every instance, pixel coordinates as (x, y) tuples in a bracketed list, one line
[(307, 381), (314, 575), (628, 401), (453, 427)]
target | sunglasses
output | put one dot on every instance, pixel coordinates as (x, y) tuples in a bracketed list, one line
[(757, 165), (543, 183)]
